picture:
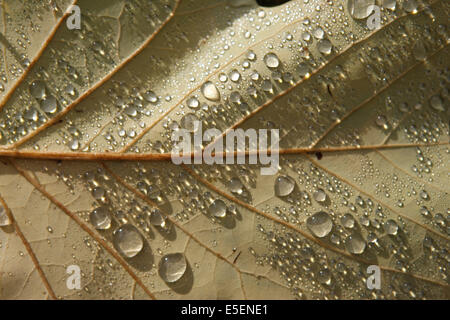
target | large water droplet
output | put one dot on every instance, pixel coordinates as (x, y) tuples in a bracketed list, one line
[(100, 218), (172, 267), (128, 240), (355, 244), (218, 208), (210, 92), (359, 9), (284, 185), (320, 224)]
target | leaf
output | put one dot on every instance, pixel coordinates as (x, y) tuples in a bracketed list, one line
[(86, 118)]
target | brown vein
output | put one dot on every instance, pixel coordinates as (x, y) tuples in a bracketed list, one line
[(83, 226), (28, 248), (88, 92), (35, 58), (300, 231), (92, 156)]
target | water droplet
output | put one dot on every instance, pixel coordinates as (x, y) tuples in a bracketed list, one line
[(31, 114), (436, 103), (190, 122), (325, 46), (348, 221), (210, 91), (391, 227), (100, 218), (128, 240), (271, 60), (193, 103), (74, 144), (157, 218), (389, 4), (355, 244), (234, 75), (37, 89), (150, 96), (4, 219), (359, 9), (319, 224), (49, 104), (172, 267), (320, 196), (218, 208), (235, 185), (284, 185)]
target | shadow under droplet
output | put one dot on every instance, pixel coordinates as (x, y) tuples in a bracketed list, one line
[(184, 285), (143, 261)]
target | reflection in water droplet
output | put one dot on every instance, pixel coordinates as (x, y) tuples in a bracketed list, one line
[(128, 240), (359, 9), (210, 91), (319, 224), (271, 60), (172, 267), (218, 208), (355, 244), (284, 185), (100, 218)]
